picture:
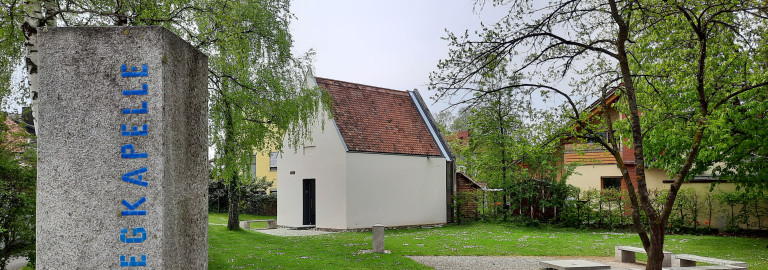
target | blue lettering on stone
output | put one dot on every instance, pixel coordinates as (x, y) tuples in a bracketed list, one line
[(133, 73), (136, 239), (142, 110), (133, 261), (134, 130), (128, 151), (132, 208), (144, 90), (139, 180)]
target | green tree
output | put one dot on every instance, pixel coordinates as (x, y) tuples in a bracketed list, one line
[(502, 150), (255, 83), (444, 121), (460, 121), (691, 67), (494, 127), (17, 200), (505, 151)]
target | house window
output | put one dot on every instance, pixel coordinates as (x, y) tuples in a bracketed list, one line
[(253, 166), (603, 135), (611, 182), (273, 161), (598, 134)]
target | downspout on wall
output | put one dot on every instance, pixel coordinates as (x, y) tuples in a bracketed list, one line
[(450, 168)]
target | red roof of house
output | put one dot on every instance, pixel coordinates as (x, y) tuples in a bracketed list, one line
[(461, 135), (374, 119)]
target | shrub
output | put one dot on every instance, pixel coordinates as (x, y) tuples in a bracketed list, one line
[(260, 204), (254, 199)]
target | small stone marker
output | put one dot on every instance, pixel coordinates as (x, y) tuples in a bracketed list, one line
[(573, 265), (378, 238), (122, 150), (245, 225)]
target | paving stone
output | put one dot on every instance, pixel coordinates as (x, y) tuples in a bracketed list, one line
[(573, 265)]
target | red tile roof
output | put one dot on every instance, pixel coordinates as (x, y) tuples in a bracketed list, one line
[(374, 119), (461, 135)]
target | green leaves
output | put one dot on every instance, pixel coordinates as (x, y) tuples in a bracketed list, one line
[(697, 62), (17, 199)]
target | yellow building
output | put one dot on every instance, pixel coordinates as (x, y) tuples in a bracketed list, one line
[(265, 165)]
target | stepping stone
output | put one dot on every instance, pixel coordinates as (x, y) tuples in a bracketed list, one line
[(573, 265)]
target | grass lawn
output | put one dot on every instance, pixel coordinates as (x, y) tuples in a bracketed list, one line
[(220, 219), (251, 250)]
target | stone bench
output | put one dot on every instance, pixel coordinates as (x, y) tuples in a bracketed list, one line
[(627, 254), (246, 224), (687, 260)]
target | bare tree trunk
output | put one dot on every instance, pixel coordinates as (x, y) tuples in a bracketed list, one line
[(233, 220), (503, 145), (34, 21), (641, 201), (33, 15), (655, 250), (757, 212), (233, 188)]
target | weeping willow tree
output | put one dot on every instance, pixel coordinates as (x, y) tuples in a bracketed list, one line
[(255, 83)]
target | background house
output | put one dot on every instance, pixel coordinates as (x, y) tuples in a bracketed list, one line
[(380, 159), (596, 169), (265, 165), (469, 196)]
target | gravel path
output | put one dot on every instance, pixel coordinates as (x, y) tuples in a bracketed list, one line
[(508, 262), (284, 231), (289, 232)]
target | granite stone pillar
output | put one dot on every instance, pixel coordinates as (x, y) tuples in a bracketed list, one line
[(122, 150), (378, 238)]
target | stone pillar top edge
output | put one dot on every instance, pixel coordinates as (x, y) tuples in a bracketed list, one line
[(55, 30)]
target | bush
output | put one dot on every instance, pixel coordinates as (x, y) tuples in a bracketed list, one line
[(17, 207), (463, 205), (530, 203), (217, 197), (254, 199), (691, 213), (260, 204), (744, 210)]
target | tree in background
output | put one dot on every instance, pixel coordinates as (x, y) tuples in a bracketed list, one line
[(444, 119), (495, 142), (17, 197), (503, 149), (460, 120), (255, 83), (691, 67)]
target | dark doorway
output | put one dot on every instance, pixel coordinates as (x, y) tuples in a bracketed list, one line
[(309, 202)]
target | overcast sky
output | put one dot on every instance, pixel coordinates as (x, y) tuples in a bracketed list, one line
[(392, 44)]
